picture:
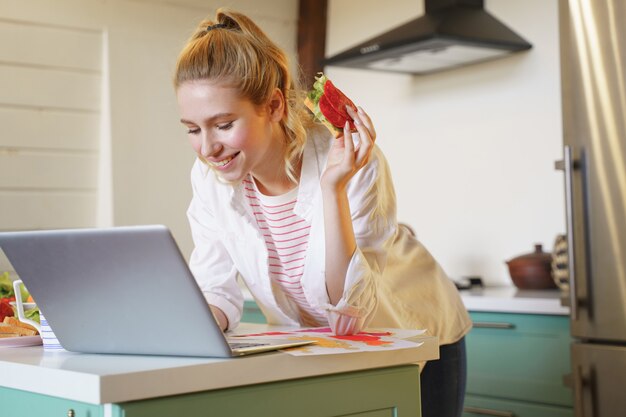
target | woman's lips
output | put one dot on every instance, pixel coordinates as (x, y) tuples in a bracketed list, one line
[(224, 162)]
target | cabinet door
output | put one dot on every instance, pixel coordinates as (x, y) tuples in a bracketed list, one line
[(600, 379), (477, 406), (17, 403), (520, 357), (387, 392), (252, 313)]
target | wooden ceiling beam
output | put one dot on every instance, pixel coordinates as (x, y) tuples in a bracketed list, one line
[(311, 39)]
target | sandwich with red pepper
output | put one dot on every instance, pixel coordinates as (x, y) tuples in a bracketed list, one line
[(328, 105)]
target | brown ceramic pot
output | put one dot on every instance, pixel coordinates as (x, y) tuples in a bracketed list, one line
[(532, 271)]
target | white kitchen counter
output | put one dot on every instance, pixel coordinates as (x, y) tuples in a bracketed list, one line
[(513, 300), (503, 299), (101, 379)]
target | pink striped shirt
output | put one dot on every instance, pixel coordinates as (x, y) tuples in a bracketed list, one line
[(287, 237)]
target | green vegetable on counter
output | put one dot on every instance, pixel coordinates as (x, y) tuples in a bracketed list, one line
[(32, 314), (6, 287), (7, 292)]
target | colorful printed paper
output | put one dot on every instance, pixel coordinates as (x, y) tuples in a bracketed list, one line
[(327, 343)]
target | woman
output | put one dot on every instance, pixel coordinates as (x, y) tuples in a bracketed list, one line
[(308, 221)]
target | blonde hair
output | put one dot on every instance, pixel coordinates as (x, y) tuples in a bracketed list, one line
[(239, 53)]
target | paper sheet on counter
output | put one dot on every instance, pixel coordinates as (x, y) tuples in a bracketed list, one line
[(326, 343)]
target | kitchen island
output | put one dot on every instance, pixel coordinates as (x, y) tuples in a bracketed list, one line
[(370, 384)]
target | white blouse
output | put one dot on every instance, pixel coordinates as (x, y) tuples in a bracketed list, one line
[(392, 281)]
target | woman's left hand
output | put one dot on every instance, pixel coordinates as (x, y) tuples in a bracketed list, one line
[(344, 160)]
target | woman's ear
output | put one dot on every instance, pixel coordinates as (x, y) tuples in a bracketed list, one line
[(276, 106)]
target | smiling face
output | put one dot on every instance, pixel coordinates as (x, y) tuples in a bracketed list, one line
[(232, 135)]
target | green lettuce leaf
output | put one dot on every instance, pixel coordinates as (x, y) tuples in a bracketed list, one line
[(318, 88), (6, 286), (25, 293), (316, 93), (32, 314)]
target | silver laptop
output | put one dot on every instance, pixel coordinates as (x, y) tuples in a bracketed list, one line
[(123, 290)]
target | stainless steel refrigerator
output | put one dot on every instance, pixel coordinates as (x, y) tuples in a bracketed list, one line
[(593, 73)]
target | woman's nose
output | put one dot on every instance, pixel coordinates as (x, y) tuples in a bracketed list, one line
[(209, 148)]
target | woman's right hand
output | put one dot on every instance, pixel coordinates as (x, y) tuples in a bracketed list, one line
[(344, 160)]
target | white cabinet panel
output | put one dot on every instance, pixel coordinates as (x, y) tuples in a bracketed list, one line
[(50, 98), (47, 170), (50, 46), (48, 129), (46, 210), (48, 88)]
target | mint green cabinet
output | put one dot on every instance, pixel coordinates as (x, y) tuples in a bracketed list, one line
[(17, 403), (385, 392), (388, 392), (516, 364), (476, 406), (252, 313)]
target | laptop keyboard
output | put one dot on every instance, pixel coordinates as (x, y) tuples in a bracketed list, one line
[(243, 345)]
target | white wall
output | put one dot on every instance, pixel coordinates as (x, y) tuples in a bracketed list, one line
[(128, 157), (50, 88), (471, 149)]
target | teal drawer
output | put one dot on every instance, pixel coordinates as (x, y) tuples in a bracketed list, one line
[(520, 357), (252, 313), (476, 406), (17, 403)]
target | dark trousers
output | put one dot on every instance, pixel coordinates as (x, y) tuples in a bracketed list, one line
[(443, 382)]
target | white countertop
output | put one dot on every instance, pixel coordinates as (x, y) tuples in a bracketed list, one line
[(100, 379), (503, 299), (513, 300)]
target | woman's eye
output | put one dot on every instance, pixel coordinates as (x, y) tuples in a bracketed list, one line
[(225, 126), (193, 131)]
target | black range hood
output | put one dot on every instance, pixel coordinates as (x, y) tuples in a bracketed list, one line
[(450, 34)]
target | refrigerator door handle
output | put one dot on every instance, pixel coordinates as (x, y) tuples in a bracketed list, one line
[(567, 166), (492, 325), (579, 406), (584, 387)]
